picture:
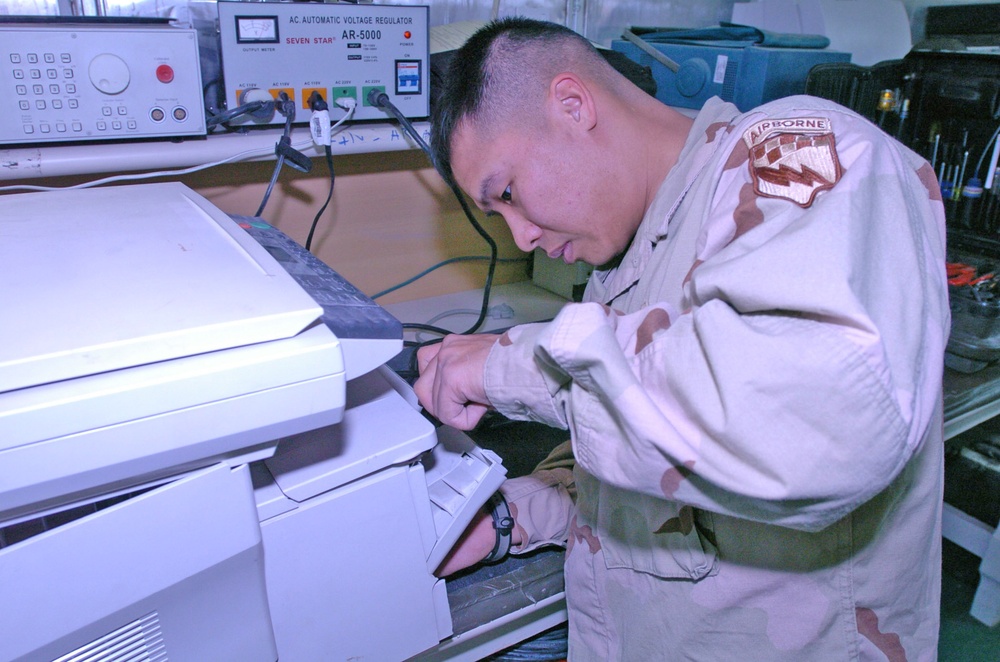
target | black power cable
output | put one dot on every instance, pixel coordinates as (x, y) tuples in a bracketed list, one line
[(380, 99), (283, 148), (239, 111), (317, 103)]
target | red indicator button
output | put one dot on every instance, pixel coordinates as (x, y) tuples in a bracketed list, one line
[(164, 73), (407, 34)]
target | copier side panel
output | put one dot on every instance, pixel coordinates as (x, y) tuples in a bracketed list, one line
[(179, 568), (347, 577), (357, 516)]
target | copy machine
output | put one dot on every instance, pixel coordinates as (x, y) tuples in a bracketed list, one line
[(196, 462)]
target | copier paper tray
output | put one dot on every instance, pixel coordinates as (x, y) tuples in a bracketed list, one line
[(356, 517)]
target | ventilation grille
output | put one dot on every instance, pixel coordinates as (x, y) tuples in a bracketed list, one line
[(729, 80), (138, 641)]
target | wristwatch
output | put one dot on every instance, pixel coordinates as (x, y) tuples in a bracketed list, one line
[(503, 524)]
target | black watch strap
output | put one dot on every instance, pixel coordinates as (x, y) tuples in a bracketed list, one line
[(503, 524)]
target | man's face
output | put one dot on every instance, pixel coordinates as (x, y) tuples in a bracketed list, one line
[(553, 189)]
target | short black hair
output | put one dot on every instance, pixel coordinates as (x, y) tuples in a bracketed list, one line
[(469, 88)]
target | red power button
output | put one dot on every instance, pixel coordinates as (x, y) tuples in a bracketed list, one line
[(164, 73)]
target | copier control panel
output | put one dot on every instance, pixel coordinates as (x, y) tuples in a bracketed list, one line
[(337, 51), (98, 80)]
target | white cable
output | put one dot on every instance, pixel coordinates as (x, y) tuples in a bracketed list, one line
[(993, 159), (259, 151), (499, 311), (319, 122), (319, 127), (349, 104)]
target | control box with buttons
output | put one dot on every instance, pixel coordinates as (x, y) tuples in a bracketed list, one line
[(88, 81), (333, 50)]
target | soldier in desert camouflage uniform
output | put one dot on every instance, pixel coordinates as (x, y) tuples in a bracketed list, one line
[(752, 384)]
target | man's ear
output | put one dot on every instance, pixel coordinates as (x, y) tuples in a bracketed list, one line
[(572, 101)]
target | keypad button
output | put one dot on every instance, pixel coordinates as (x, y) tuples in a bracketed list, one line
[(60, 127), (53, 89), (24, 104), (32, 58), (38, 89), (73, 103), (22, 89), (122, 110), (57, 104), (29, 128), (52, 74), (15, 58), (70, 88), (36, 73), (102, 126), (106, 111), (116, 125), (65, 58), (45, 128), (40, 104), (67, 73), (19, 74), (132, 124), (50, 57), (77, 126)]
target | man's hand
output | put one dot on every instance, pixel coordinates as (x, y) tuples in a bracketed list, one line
[(450, 386), (475, 544)]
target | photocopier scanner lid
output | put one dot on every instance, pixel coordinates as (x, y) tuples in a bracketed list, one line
[(93, 280)]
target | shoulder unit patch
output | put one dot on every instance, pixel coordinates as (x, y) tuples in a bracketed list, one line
[(793, 158)]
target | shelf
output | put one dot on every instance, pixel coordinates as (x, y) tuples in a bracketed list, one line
[(33, 162), (971, 399)]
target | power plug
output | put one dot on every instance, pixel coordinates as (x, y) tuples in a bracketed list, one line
[(347, 103), (319, 121)]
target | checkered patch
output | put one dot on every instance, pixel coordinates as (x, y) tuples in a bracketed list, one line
[(793, 158)]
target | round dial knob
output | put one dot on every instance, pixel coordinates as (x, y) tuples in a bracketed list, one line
[(692, 77), (109, 73)]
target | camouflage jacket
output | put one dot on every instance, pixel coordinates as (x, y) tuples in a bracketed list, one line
[(754, 401)]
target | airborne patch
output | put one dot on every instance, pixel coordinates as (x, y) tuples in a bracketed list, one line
[(793, 158)]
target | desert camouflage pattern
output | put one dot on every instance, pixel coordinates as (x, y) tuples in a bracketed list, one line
[(754, 401)]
